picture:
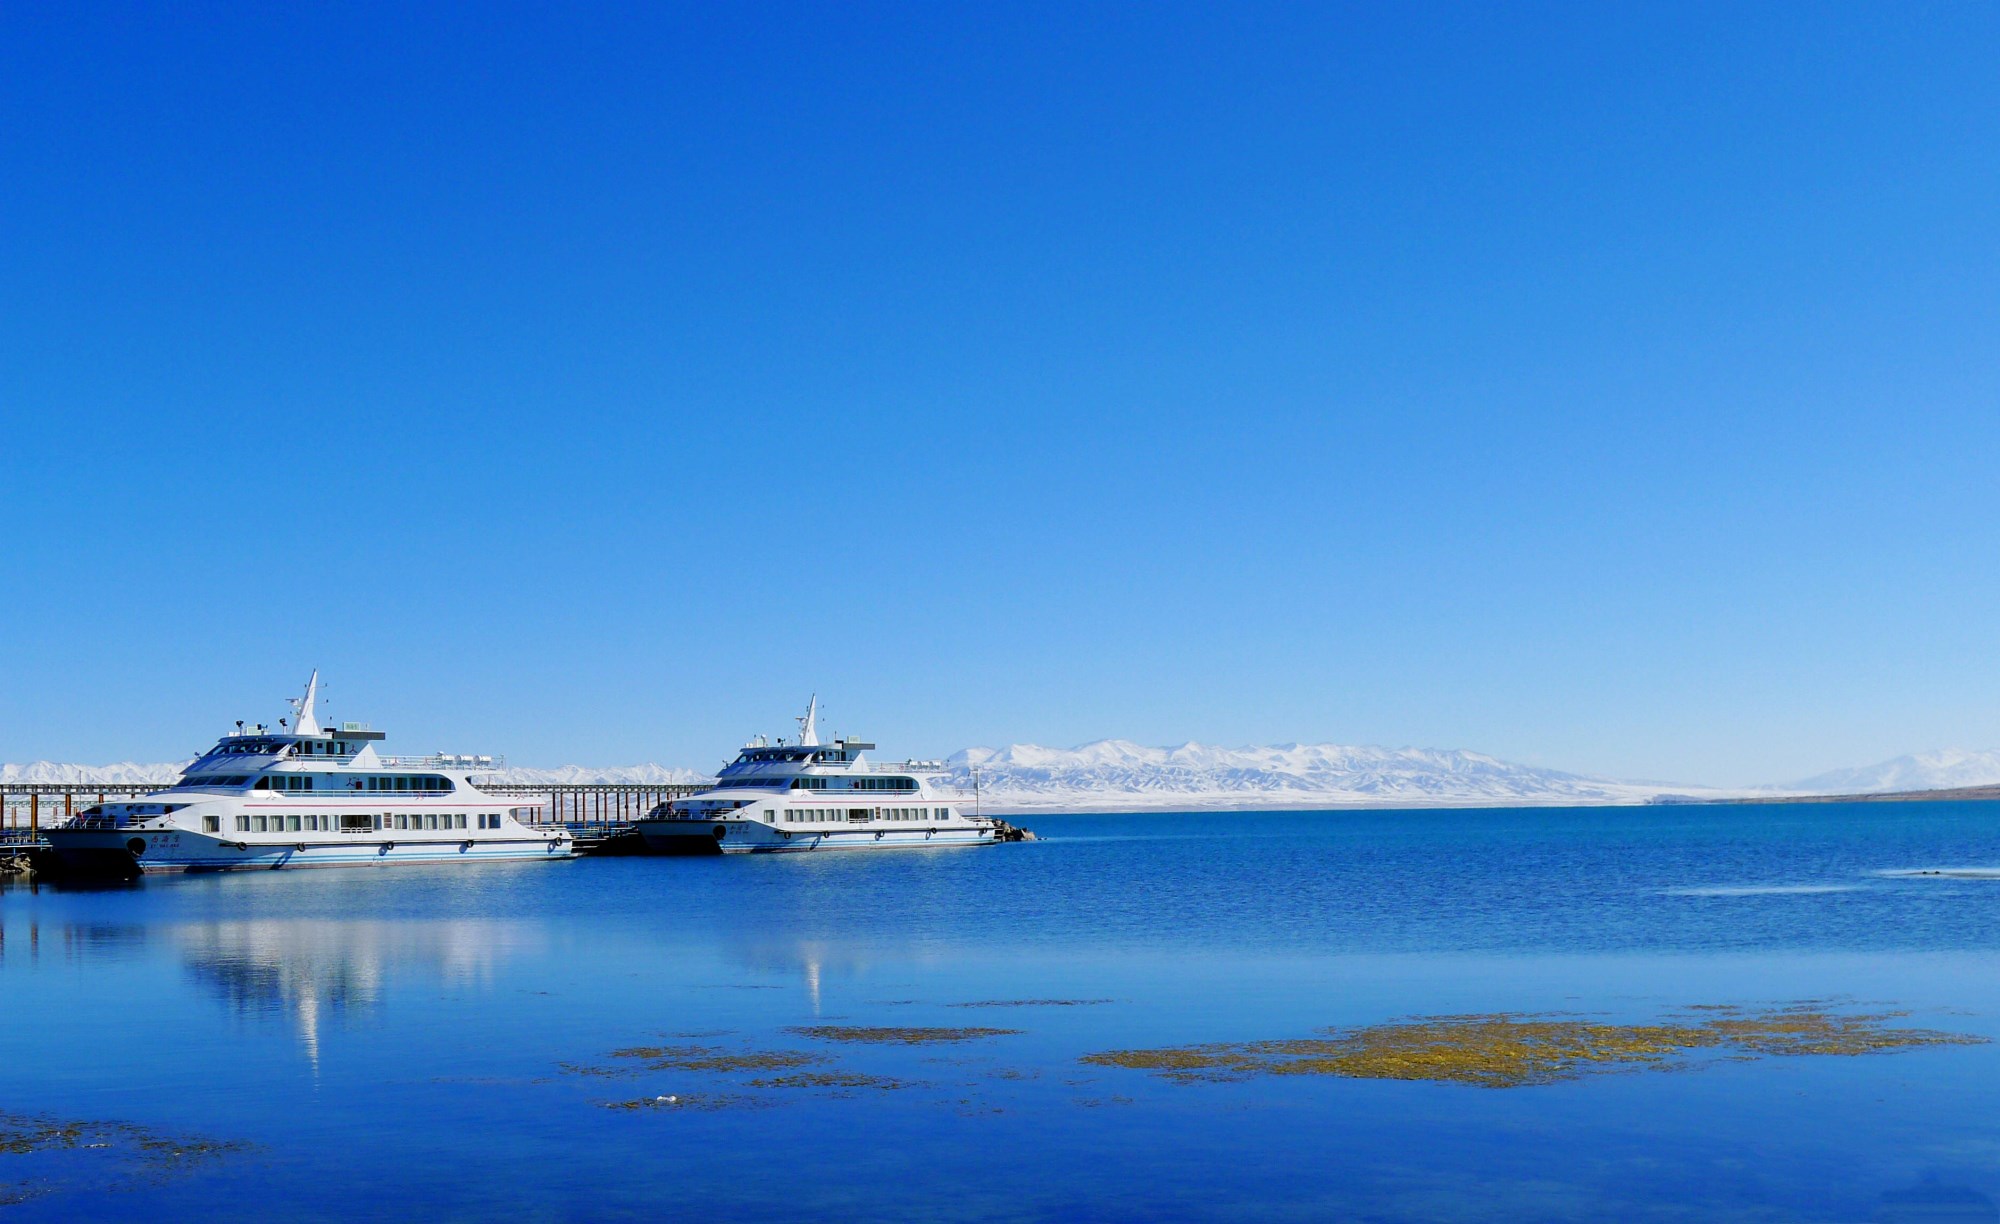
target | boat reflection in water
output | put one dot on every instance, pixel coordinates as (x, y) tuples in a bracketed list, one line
[(314, 970)]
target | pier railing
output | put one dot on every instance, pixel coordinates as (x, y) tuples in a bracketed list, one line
[(43, 805)]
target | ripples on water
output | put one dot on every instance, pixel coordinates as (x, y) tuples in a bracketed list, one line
[(460, 1042)]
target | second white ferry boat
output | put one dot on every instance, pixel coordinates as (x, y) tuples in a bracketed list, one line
[(786, 798), (307, 797)]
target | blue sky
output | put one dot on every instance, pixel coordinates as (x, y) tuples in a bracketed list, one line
[(1606, 387)]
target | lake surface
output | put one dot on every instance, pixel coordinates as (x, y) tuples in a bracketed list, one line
[(443, 1043)]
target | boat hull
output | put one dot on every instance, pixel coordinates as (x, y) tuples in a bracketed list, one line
[(698, 837), (130, 853)]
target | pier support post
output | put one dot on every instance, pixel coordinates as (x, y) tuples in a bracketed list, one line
[(35, 816)]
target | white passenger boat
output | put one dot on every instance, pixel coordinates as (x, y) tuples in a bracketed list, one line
[(785, 798), (304, 796)]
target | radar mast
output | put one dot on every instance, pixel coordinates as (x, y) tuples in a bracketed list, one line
[(305, 723)]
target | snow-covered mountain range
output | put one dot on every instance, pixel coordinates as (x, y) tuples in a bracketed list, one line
[(1940, 770), (1120, 775)]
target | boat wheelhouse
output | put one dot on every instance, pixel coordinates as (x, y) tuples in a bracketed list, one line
[(306, 796), (787, 798)]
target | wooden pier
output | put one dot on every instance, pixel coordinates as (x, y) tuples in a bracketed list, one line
[(27, 808)]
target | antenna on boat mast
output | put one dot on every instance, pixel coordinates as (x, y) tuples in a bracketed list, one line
[(307, 724), (809, 725)]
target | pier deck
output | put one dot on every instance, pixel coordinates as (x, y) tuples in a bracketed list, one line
[(597, 809)]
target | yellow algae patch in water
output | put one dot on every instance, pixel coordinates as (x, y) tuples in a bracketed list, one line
[(829, 1079), (121, 1155), (1790, 1032), (1033, 1003), (896, 1035), (698, 1058), (1493, 1051), (676, 1051), (1507, 1050), (747, 1060), (1186, 1063), (687, 1100)]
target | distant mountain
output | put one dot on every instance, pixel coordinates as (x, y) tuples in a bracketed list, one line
[(1941, 770), (1120, 775)]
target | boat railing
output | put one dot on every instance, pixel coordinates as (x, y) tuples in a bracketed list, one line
[(905, 767), (119, 821), (445, 760)]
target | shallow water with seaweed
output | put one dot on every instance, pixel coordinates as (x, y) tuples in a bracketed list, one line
[(1672, 1013)]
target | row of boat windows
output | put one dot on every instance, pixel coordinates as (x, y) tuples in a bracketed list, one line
[(829, 755), (249, 747), (366, 782), (822, 815), (268, 747), (429, 783), (352, 822), (855, 784), (297, 824)]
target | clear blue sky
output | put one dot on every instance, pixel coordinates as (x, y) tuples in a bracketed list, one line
[(1612, 387)]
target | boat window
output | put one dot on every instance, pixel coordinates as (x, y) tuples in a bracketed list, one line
[(356, 822)]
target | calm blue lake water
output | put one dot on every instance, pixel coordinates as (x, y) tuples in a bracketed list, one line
[(405, 1042)]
